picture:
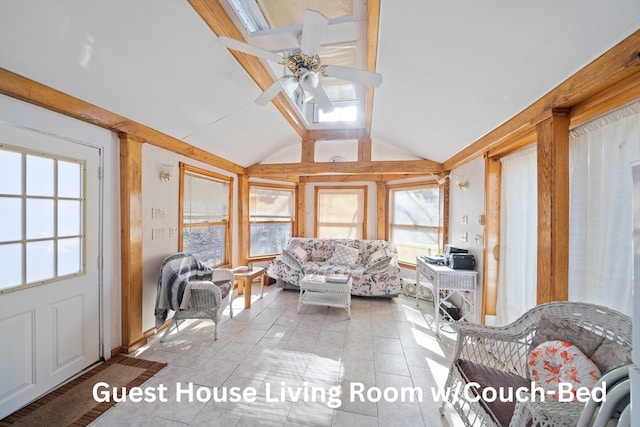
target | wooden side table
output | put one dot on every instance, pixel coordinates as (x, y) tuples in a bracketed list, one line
[(245, 278)]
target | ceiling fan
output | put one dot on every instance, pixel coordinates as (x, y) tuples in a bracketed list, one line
[(304, 64)]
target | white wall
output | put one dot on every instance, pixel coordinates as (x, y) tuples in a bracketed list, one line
[(467, 206), (164, 196), (21, 114)]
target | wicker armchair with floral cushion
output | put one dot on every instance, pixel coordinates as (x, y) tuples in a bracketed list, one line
[(495, 357)]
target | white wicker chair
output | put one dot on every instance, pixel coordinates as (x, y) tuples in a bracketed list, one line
[(205, 299), (507, 348)]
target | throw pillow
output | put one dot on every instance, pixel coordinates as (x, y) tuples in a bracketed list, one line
[(551, 328), (378, 259), (290, 260), (610, 355), (344, 255), (555, 362), (299, 254)]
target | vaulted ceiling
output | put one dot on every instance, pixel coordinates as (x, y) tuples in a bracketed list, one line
[(452, 70)]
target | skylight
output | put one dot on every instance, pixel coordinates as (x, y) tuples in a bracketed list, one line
[(346, 111), (250, 15)]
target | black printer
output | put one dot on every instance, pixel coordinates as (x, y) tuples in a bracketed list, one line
[(458, 258), (462, 261)]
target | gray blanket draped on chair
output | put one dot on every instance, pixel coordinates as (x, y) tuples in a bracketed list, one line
[(177, 272)]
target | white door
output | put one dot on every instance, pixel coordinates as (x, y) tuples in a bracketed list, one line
[(49, 249)]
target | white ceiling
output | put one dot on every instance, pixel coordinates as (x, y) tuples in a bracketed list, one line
[(452, 70)]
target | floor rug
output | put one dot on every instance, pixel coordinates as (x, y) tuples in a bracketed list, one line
[(72, 404)]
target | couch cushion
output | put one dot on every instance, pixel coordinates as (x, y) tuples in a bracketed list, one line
[(344, 255), (298, 253), (501, 412), (610, 355), (551, 328), (555, 362)]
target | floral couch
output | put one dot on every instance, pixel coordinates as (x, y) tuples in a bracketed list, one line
[(373, 264)]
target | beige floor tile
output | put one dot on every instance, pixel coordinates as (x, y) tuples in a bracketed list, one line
[(276, 353)]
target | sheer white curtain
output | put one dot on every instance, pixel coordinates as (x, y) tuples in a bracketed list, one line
[(600, 222), (518, 235)]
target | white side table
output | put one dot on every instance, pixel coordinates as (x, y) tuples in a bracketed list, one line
[(315, 290), (451, 282)]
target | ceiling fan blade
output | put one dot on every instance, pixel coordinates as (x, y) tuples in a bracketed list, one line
[(323, 101), (234, 44), (353, 74), (273, 90), (313, 29)]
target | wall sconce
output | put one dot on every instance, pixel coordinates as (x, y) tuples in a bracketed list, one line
[(166, 172), (463, 184)]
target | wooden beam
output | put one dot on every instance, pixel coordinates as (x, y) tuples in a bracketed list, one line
[(624, 92), (553, 207), (358, 178), (19, 87), (216, 17), (383, 208), (516, 141), (492, 200), (243, 220), (373, 27), (131, 243), (308, 150), (364, 150), (445, 192), (614, 66), (336, 134), (386, 167), (300, 210)]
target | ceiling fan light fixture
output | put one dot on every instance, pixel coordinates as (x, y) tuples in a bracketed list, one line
[(298, 63), (309, 81)]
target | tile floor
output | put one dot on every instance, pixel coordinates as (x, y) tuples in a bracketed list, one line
[(294, 364)]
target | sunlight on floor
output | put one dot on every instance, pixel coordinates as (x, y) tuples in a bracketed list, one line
[(303, 366)]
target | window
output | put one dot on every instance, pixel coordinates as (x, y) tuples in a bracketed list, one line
[(414, 220), (341, 212), (42, 227), (271, 216), (343, 111), (205, 226)]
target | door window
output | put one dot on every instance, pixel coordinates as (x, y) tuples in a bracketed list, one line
[(42, 205)]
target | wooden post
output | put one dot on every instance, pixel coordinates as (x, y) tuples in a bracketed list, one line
[(493, 182), (364, 150), (300, 211), (383, 209), (244, 233), (308, 150), (131, 242), (553, 206)]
